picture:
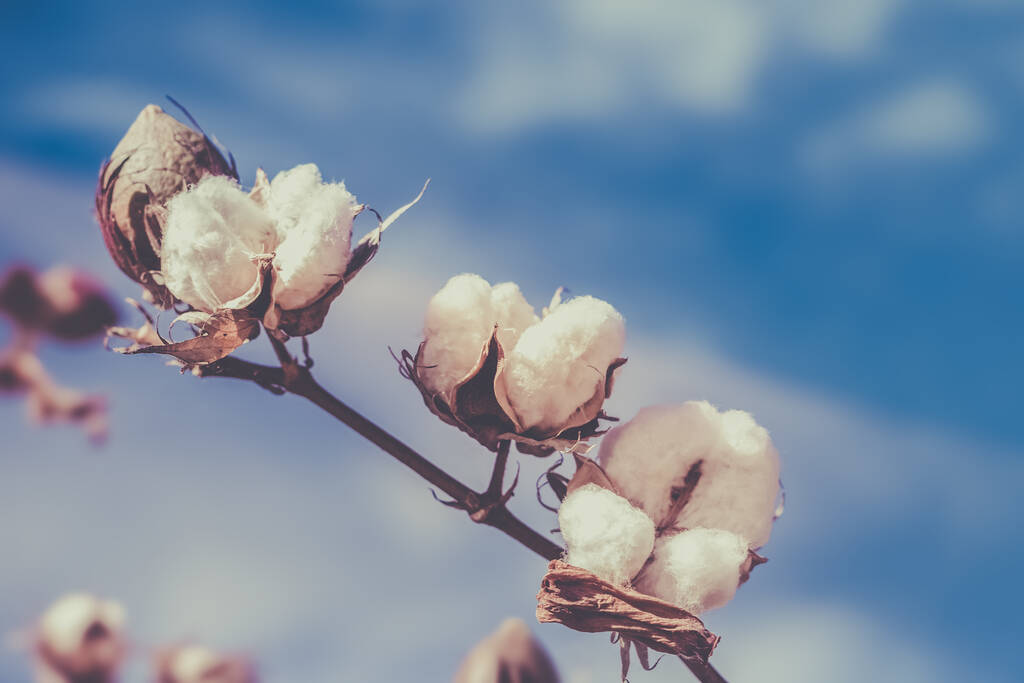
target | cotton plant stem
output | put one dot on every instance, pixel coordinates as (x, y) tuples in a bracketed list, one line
[(483, 508), (487, 508)]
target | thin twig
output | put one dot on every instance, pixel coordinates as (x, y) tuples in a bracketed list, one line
[(487, 508)]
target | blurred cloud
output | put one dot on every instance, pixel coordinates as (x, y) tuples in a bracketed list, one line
[(585, 60), (935, 118)]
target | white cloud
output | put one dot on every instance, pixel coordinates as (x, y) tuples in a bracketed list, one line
[(585, 60), (934, 118)]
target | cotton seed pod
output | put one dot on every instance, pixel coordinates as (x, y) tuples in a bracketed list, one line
[(217, 235), (79, 640), (490, 366), (198, 664), (509, 655), (157, 158)]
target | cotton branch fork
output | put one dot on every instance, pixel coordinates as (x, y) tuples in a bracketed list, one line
[(488, 507)]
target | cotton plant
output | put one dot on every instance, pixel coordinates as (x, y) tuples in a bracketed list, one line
[(661, 526), (491, 366), (674, 508), (230, 260)]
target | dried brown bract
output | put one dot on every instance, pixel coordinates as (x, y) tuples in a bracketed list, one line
[(583, 602), (157, 158)]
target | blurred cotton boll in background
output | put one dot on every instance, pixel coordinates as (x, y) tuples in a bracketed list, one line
[(199, 664), (512, 654), (79, 639)]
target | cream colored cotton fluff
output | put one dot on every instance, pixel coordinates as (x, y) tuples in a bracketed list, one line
[(697, 569), (314, 224), (212, 237), (605, 534), (215, 236), (652, 453), (460, 319), (558, 364)]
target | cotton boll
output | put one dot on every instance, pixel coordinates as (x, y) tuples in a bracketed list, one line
[(697, 569), (651, 454), (558, 363), (314, 223), (81, 636), (212, 235), (458, 323), (512, 314), (604, 534)]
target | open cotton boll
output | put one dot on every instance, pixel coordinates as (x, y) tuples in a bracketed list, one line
[(457, 325), (697, 569), (557, 364), (211, 237), (605, 534), (651, 454), (512, 313), (314, 225)]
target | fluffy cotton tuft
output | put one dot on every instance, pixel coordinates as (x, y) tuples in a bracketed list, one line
[(651, 454), (697, 569), (460, 319), (211, 237), (215, 233), (557, 364), (605, 534), (314, 225)]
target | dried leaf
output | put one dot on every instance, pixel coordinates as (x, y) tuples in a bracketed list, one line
[(221, 334), (576, 598)]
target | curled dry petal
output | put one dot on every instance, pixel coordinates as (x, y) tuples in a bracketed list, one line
[(157, 158), (576, 598)]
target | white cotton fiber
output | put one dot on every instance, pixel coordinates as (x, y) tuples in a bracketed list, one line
[(511, 312), (697, 569), (651, 454), (460, 320), (457, 325), (314, 225), (211, 236), (605, 534), (557, 364)]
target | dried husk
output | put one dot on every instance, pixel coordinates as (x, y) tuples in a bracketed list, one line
[(576, 598), (479, 406), (157, 158)]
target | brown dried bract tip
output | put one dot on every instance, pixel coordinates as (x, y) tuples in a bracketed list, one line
[(157, 158), (479, 406), (578, 599)]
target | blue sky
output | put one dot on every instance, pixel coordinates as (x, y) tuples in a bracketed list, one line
[(805, 209)]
